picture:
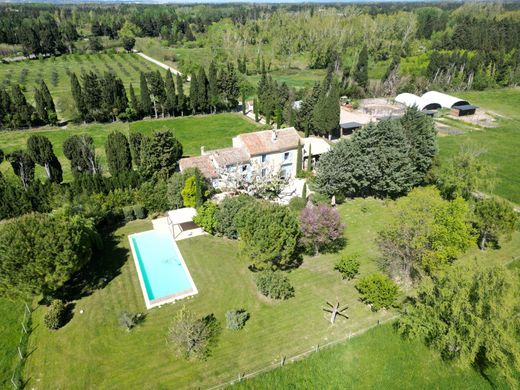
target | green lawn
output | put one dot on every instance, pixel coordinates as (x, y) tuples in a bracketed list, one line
[(501, 144), (378, 359), (93, 351), (55, 70), (296, 78), (11, 314), (211, 131)]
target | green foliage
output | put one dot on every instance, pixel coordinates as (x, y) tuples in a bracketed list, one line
[(160, 154), (117, 150), (56, 314), (189, 192), (40, 149), (269, 235), (494, 218), (297, 204), (274, 284), (426, 233), (192, 337), (348, 266), (206, 217), (40, 252), (468, 315), (139, 211), (153, 196), (236, 319), (226, 218), (377, 290), (130, 320), (23, 166), (128, 213), (361, 69), (128, 43)]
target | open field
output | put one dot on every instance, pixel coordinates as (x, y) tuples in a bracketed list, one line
[(55, 72), (11, 314), (211, 131), (501, 144), (378, 359), (93, 351)]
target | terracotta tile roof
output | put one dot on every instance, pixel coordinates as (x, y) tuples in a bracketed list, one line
[(202, 162), (229, 156), (262, 142)]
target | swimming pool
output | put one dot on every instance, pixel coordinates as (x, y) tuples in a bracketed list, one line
[(162, 272)]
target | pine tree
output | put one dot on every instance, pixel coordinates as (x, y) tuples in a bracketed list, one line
[(171, 97), (146, 102), (77, 95), (181, 99), (361, 71), (213, 92)]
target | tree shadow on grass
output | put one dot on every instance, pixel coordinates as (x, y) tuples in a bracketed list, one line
[(104, 266)]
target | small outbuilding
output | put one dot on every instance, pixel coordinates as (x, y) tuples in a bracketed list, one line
[(348, 128), (411, 100), (466, 109)]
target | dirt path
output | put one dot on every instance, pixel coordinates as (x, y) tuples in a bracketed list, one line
[(162, 65)]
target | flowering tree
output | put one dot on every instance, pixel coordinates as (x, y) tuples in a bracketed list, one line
[(262, 180), (321, 228)]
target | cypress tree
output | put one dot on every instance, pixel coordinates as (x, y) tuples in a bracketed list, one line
[(232, 86), (213, 92), (40, 106), (146, 102), (202, 91), (135, 104), (279, 119), (23, 166), (194, 93), (326, 113), (49, 103), (5, 108), (171, 97), (40, 149), (244, 101), (22, 115), (117, 150), (77, 95), (299, 160), (309, 160), (92, 95), (255, 109), (181, 99), (136, 140), (361, 71)]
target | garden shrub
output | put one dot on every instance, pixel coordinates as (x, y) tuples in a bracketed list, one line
[(130, 320), (320, 199), (377, 290), (56, 315), (348, 266), (274, 284), (128, 213), (226, 217), (322, 229), (205, 217), (236, 319), (139, 211), (297, 204)]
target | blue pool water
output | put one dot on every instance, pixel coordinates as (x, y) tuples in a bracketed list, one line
[(161, 268)]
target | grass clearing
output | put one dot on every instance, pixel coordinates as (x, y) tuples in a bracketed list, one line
[(378, 359), (55, 72), (11, 315), (211, 131), (92, 350), (501, 144)]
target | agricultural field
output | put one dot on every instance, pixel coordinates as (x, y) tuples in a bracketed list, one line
[(11, 314), (92, 349), (211, 131), (55, 72), (500, 144)]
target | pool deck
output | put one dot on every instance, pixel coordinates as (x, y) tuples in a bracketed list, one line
[(150, 304)]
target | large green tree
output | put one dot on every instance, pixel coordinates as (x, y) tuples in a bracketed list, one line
[(469, 315), (23, 166), (361, 69), (494, 219), (160, 154), (146, 101), (80, 150), (117, 150), (170, 104), (424, 234), (40, 252), (41, 151), (269, 234)]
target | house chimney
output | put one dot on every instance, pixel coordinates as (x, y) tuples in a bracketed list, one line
[(202, 150), (273, 135)]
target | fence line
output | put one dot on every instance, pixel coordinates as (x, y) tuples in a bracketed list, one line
[(284, 359), (16, 378)]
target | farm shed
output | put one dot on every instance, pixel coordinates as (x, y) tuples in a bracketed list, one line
[(463, 110), (411, 100)]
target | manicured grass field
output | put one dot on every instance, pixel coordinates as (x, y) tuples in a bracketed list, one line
[(55, 71), (501, 144), (211, 131), (296, 78), (93, 351), (378, 359), (11, 314)]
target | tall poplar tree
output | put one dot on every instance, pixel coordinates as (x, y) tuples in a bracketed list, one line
[(171, 97), (194, 93), (181, 99), (117, 150), (213, 92), (146, 102), (77, 95)]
